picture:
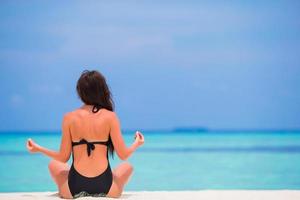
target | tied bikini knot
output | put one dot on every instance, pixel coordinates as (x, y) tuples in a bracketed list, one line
[(90, 146)]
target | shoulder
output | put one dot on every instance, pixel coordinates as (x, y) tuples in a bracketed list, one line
[(110, 115), (68, 117)]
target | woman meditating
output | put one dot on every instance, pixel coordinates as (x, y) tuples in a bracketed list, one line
[(90, 133)]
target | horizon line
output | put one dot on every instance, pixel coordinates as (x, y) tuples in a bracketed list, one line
[(184, 129)]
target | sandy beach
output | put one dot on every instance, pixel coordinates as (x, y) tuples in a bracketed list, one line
[(174, 195)]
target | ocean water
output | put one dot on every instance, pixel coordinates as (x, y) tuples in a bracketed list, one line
[(171, 161)]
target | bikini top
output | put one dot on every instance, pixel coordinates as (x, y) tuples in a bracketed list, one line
[(90, 145)]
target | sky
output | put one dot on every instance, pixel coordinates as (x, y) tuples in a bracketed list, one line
[(214, 64)]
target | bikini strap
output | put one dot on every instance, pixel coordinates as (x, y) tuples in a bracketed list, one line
[(90, 145)]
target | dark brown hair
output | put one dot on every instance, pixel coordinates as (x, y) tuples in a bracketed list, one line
[(93, 90)]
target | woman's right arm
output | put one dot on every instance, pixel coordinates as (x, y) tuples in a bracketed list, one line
[(116, 135)]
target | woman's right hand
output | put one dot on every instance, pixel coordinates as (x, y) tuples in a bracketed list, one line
[(139, 138)]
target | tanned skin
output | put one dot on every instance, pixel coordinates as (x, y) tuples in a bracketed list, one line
[(83, 123)]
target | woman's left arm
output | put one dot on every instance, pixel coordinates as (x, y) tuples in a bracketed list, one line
[(64, 153)]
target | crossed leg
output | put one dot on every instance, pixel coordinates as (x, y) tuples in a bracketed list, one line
[(59, 172), (121, 175)]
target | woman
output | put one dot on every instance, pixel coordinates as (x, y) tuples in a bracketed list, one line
[(90, 133)]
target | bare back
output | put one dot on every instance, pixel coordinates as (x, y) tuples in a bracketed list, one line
[(92, 127), (85, 135)]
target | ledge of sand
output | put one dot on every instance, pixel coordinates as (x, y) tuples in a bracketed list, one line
[(174, 195)]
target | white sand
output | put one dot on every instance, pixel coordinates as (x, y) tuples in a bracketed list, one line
[(174, 195)]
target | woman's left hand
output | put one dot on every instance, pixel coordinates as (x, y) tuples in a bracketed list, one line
[(32, 146)]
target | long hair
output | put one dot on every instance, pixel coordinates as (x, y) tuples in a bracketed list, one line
[(93, 90)]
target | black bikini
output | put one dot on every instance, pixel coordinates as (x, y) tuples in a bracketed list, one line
[(89, 186)]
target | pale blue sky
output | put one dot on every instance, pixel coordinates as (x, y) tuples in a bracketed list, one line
[(177, 63)]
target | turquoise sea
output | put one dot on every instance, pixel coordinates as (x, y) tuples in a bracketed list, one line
[(172, 161)]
